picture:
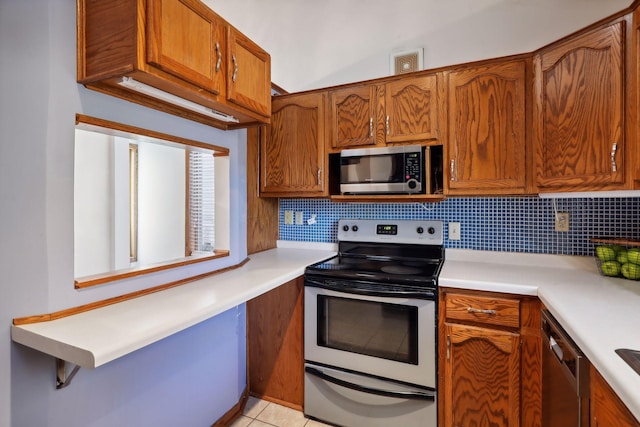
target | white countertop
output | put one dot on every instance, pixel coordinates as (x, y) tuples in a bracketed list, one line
[(600, 314), (95, 337)]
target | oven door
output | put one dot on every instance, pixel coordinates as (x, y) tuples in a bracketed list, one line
[(387, 337)]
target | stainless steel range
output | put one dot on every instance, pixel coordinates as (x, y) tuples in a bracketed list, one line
[(370, 326)]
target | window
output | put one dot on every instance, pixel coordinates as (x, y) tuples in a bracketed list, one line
[(145, 201)]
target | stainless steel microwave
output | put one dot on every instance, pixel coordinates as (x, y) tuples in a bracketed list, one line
[(383, 170)]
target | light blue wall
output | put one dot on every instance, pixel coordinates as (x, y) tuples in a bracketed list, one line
[(189, 379), (510, 224)]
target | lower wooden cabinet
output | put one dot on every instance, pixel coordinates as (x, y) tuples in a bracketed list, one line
[(489, 359), (607, 409), (275, 345)]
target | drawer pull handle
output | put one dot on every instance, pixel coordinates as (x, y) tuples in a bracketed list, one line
[(477, 310)]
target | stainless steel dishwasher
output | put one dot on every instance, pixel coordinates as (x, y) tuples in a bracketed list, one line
[(565, 378)]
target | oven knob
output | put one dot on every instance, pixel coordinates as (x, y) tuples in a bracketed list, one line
[(431, 230), (354, 228), (420, 230), (345, 227), (412, 184)]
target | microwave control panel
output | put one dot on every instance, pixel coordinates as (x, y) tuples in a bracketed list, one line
[(412, 166)]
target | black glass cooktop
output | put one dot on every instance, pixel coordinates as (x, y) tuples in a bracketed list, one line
[(390, 271), (383, 263)]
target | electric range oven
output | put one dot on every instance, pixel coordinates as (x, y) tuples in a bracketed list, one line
[(371, 328)]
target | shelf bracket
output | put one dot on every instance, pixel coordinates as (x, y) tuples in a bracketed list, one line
[(62, 379)]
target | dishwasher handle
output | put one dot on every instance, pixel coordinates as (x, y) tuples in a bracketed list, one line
[(573, 362), (557, 350)]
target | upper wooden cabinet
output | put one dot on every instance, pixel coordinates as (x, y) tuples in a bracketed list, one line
[(579, 105), (401, 110), (487, 144), (411, 107), (174, 29), (353, 116), (292, 155), (249, 70), (205, 67)]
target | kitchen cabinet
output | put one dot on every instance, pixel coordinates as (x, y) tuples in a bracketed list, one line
[(292, 155), (412, 109), (578, 110), (275, 344), (396, 111), (487, 144), (490, 368), (606, 407), (249, 71), (262, 213), (353, 116), (177, 56)]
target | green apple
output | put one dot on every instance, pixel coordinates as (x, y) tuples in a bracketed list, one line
[(606, 253), (622, 256), (610, 268), (633, 255), (631, 271), (619, 248)]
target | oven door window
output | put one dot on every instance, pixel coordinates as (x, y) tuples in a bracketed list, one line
[(372, 328)]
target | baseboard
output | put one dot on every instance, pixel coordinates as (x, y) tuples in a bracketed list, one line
[(235, 412)]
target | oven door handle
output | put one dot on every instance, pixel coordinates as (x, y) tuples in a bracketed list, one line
[(426, 395), (351, 288)]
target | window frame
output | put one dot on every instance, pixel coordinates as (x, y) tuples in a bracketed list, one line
[(127, 131)]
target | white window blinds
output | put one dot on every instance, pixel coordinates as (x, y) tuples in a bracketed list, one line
[(201, 211)]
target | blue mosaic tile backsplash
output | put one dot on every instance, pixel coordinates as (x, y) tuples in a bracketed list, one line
[(509, 224)]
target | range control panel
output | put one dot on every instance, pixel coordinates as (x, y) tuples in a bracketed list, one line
[(427, 232)]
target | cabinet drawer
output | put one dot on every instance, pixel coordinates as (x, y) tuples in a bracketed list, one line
[(488, 310)]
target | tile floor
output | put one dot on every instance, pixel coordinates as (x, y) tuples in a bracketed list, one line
[(260, 413)]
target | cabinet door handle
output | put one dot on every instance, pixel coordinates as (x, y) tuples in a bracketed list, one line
[(235, 68), (219, 55), (448, 347), (614, 149), (370, 127), (452, 169), (388, 125), (319, 176), (477, 310)]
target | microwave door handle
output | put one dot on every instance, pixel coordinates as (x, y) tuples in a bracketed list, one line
[(426, 395)]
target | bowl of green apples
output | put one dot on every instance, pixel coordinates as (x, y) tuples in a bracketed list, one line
[(617, 257)]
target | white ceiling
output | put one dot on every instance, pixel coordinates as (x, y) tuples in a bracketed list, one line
[(322, 43)]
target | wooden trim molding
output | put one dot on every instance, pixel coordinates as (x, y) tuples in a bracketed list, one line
[(120, 129), (235, 412), (99, 279), (103, 303)]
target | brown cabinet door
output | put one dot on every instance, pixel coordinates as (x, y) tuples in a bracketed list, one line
[(482, 377), (411, 107), (487, 129), (185, 39), (292, 154), (353, 116), (249, 74), (606, 407), (578, 112)]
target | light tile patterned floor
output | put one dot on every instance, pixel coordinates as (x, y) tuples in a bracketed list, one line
[(260, 413)]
